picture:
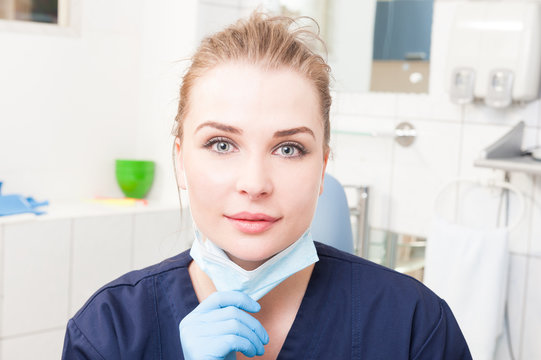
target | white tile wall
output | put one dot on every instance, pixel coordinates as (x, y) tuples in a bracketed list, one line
[(102, 251), (43, 346), (481, 114), (364, 160), (368, 104), (441, 23), (474, 139), (35, 276), (420, 171), (427, 107)]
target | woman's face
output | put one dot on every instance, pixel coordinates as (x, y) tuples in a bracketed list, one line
[(252, 159)]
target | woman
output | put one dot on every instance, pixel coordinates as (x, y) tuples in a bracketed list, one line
[(251, 149)]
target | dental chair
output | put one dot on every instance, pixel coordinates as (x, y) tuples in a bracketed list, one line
[(331, 224)]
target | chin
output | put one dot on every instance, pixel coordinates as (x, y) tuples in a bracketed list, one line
[(253, 256), (255, 253)]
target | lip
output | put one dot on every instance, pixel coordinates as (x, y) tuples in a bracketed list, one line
[(251, 223)]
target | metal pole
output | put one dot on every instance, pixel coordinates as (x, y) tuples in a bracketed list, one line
[(363, 243), (361, 246)]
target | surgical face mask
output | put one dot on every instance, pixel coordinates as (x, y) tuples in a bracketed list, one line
[(226, 275)]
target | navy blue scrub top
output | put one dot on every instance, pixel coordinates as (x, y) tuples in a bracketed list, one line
[(352, 309)]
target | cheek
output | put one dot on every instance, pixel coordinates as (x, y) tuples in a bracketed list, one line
[(208, 183), (300, 188)]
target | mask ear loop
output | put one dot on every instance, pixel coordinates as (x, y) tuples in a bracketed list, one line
[(196, 232), (179, 191)]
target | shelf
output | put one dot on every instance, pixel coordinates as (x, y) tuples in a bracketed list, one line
[(523, 164), (506, 154)]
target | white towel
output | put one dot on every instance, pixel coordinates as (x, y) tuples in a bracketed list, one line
[(468, 268)]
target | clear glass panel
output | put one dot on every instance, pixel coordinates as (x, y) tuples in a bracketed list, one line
[(43, 11), (401, 252)]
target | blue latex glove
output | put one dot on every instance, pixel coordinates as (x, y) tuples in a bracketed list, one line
[(17, 204), (219, 327)]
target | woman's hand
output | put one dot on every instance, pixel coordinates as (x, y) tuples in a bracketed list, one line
[(220, 325)]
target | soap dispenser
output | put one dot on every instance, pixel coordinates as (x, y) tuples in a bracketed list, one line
[(495, 52), (499, 90), (462, 83)]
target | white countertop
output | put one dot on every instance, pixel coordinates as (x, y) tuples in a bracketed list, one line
[(77, 209)]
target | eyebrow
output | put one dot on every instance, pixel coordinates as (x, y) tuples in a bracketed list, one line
[(293, 131), (234, 130), (219, 126)]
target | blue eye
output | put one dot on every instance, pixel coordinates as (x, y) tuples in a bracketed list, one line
[(290, 150), (287, 150), (220, 145)]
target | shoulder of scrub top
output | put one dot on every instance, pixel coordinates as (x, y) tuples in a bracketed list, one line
[(379, 282), (387, 300), (134, 278)]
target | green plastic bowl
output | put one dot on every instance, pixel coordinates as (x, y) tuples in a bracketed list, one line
[(134, 177)]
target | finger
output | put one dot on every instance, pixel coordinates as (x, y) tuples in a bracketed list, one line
[(237, 343), (221, 299), (233, 327), (233, 313)]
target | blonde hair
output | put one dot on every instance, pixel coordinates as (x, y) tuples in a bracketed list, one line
[(266, 41)]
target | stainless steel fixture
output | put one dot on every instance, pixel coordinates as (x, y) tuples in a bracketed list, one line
[(359, 212)]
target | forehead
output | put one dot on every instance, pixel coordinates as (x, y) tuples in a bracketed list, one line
[(243, 94)]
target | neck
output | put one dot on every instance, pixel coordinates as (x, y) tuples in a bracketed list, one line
[(245, 264), (204, 286)]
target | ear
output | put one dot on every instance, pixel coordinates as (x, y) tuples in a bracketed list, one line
[(179, 165), (325, 160)]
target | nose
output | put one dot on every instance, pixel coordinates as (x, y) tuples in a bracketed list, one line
[(254, 179)]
